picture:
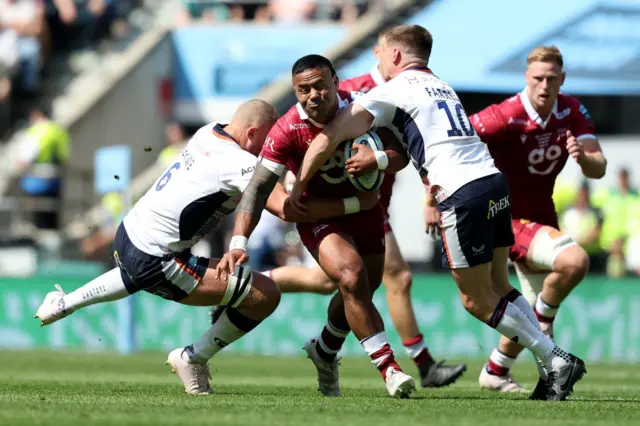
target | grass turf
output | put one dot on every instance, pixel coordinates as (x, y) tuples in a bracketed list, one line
[(68, 388)]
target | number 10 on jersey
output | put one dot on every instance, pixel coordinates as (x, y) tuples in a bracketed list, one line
[(460, 124)]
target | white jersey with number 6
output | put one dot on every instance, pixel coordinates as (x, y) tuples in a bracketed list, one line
[(426, 114), (204, 184)]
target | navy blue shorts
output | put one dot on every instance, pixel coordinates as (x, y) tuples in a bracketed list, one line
[(172, 277), (474, 220)]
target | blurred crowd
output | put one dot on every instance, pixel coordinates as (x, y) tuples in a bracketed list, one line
[(34, 32), (606, 222), (262, 11)]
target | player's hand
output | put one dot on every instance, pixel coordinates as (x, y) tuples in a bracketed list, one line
[(295, 198), (575, 148), (295, 215), (368, 200), (431, 216), (363, 161), (228, 263)]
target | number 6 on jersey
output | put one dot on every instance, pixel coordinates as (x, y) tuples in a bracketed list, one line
[(166, 177)]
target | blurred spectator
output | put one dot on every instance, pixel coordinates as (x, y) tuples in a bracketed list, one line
[(616, 205), (292, 11), (632, 257), (583, 224), (77, 25), (43, 154), (202, 12), (176, 140), (22, 27)]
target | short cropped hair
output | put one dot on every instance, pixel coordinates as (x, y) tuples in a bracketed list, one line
[(545, 54), (310, 62), (416, 40)]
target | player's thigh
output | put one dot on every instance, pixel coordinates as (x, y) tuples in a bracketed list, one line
[(553, 250), (374, 265), (339, 258)]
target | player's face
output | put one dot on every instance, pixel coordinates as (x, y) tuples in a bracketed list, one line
[(388, 56), (543, 81), (317, 92)]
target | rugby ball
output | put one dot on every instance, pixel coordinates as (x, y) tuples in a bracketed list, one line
[(371, 181)]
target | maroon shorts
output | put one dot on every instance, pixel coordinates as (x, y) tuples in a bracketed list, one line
[(366, 228), (523, 232)]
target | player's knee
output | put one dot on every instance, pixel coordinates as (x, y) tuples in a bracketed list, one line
[(352, 278), (573, 263), (477, 307), (398, 283), (265, 296)]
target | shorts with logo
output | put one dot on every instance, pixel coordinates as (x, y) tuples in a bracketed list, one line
[(366, 228), (524, 231), (474, 221), (172, 277)]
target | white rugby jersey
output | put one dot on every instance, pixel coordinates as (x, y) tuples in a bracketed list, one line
[(203, 184), (426, 114)]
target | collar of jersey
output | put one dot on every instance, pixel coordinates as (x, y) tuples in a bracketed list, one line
[(303, 115), (376, 75), (219, 131), (531, 111), (420, 68)]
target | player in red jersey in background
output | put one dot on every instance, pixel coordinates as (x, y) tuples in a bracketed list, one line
[(350, 249), (397, 277), (530, 136)]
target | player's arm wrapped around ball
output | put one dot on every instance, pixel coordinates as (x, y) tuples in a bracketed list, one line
[(318, 208)]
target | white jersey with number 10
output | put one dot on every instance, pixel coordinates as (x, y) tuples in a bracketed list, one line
[(426, 114)]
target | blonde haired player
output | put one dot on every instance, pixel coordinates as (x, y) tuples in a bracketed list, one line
[(530, 136)]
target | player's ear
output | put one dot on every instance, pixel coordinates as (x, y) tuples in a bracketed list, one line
[(251, 132), (336, 81), (563, 75), (397, 56)]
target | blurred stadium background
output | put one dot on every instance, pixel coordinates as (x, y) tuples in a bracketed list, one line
[(102, 93)]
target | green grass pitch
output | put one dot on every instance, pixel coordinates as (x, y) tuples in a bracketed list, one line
[(69, 388)]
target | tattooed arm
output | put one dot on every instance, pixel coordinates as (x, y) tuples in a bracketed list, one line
[(254, 200)]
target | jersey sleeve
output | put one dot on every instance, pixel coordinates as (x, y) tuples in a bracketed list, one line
[(381, 104), (276, 150), (581, 124), (490, 124)]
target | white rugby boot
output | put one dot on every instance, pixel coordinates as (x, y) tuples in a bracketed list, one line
[(53, 307), (399, 384), (499, 383), (328, 381), (195, 377)]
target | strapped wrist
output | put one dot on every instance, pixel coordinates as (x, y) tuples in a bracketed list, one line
[(382, 159), (238, 242)]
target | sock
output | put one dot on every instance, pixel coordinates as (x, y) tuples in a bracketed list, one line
[(499, 364), (544, 311), (106, 288), (515, 297), (229, 327), (380, 352), (330, 341), (417, 350), (514, 324)]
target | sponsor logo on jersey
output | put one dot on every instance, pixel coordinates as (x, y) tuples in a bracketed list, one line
[(518, 121), (269, 142), (497, 206), (248, 170), (543, 139), (562, 114), (523, 138), (298, 126)]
